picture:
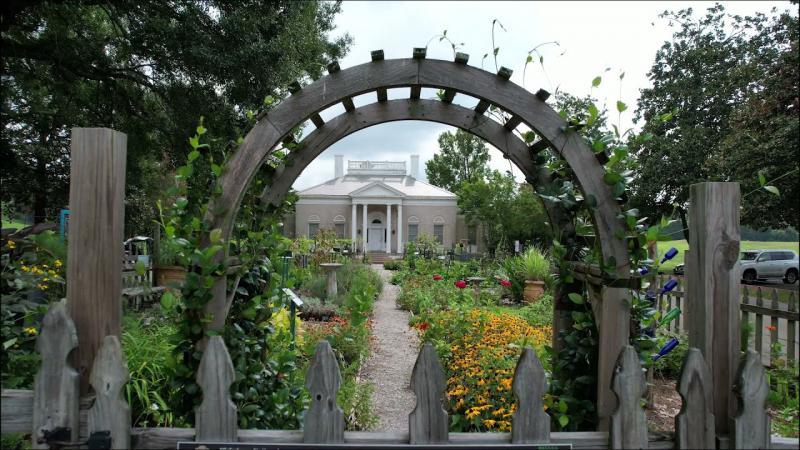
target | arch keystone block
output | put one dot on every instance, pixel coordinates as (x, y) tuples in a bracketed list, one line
[(419, 52), (461, 58)]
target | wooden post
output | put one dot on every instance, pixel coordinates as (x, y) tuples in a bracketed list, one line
[(428, 423), (694, 425), (324, 419), (110, 412), (94, 258), (531, 425), (652, 254), (713, 295), (612, 315), (55, 387)]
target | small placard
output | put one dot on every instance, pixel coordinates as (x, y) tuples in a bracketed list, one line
[(295, 299), (347, 446)]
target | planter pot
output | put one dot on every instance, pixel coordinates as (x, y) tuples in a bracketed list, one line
[(170, 276), (533, 290)]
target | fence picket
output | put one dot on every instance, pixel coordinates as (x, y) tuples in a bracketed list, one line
[(694, 424), (759, 331), (773, 322), (428, 423), (56, 388), (751, 424), (530, 424), (745, 318), (628, 422), (216, 418), (791, 329), (679, 320), (110, 411), (324, 420)]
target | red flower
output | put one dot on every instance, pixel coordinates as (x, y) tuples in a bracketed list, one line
[(423, 326), (771, 328), (505, 283), (437, 277), (461, 284)]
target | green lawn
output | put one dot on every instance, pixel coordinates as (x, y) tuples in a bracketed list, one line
[(682, 245), (13, 223)]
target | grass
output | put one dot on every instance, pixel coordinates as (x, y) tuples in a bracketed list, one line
[(13, 223), (682, 246)]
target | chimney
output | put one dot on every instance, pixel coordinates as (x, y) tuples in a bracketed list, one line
[(414, 166), (339, 166)]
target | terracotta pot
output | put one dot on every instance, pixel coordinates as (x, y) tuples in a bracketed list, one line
[(533, 290), (170, 276)]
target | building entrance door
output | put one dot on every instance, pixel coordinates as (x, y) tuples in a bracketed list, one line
[(376, 241)]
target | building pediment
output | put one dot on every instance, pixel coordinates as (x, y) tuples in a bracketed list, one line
[(377, 189)]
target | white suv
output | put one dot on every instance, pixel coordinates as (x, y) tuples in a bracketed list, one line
[(769, 264)]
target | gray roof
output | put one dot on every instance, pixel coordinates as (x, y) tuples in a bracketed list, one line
[(403, 184)]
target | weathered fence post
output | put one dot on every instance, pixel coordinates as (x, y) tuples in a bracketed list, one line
[(427, 423), (530, 424), (628, 423), (215, 418), (694, 424), (324, 419), (96, 229), (713, 291), (56, 386), (751, 427), (110, 412)]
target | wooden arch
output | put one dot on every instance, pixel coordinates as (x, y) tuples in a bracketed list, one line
[(425, 110), (340, 86)]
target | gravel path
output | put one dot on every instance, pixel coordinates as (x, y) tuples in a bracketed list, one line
[(389, 366)]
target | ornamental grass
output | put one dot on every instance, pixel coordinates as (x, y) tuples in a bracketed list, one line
[(479, 351)]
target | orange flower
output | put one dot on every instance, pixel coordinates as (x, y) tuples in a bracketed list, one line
[(771, 328)]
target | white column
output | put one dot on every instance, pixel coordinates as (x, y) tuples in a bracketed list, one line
[(364, 228), (353, 226), (400, 228), (388, 228)]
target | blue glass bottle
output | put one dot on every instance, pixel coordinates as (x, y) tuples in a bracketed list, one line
[(668, 347), (669, 255)]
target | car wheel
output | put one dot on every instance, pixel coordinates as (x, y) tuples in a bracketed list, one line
[(791, 277), (749, 276)]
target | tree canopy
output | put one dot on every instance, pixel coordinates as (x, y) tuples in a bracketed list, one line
[(725, 93), (149, 69), (462, 158)]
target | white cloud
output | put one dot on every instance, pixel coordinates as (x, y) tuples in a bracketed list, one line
[(593, 36)]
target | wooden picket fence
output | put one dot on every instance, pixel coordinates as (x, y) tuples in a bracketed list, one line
[(773, 322), (57, 417)]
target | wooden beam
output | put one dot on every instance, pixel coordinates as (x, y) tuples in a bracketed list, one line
[(317, 120), (713, 288), (513, 122), (381, 92), (481, 107), (538, 146), (449, 94), (94, 256), (348, 104), (416, 90)]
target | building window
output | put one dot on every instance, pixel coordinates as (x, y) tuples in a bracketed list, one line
[(438, 233), (412, 232), (313, 228), (339, 230)]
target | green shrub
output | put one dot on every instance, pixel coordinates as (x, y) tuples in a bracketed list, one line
[(535, 265), (539, 313), (392, 265), (314, 309), (147, 345)]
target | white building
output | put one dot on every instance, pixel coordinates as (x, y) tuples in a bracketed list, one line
[(382, 202)]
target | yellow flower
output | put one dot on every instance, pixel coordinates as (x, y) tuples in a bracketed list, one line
[(12, 245), (42, 286), (30, 330), (58, 263), (25, 268), (489, 423)]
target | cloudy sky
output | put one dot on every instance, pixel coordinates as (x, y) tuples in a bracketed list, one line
[(591, 36)]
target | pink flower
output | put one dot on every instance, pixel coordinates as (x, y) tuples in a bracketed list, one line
[(505, 283), (461, 284), (437, 277)]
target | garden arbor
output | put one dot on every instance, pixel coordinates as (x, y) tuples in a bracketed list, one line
[(340, 86)]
